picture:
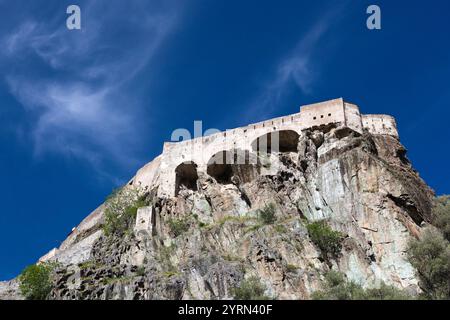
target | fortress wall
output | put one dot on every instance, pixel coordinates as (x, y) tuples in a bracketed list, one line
[(380, 124), (148, 175), (201, 149), (353, 117), (87, 223), (79, 252), (323, 113), (73, 254), (48, 256)]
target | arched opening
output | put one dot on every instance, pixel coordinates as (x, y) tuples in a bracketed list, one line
[(224, 165), (220, 166), (186, 177), (277, 141)]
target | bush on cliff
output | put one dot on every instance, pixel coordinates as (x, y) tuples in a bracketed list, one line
[(441, 215), (267, 214), (35, 281), (431, 257), (178, 226), (336, 287), (121, 210), (250, 289), (326, 239)]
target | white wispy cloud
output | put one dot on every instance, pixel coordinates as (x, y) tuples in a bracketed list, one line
[(78, 106), (299, 68)]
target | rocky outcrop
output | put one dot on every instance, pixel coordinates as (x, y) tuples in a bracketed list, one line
[(9, 290), (361, 184)]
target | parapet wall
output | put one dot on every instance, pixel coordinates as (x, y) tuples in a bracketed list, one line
[(380, 124), (199, 151)]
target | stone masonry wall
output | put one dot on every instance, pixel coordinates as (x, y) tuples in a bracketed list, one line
[(200, 150)]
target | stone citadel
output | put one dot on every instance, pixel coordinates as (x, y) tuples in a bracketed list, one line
[(181, 163)]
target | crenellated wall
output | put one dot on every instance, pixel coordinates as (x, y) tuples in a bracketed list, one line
[(200, 151)]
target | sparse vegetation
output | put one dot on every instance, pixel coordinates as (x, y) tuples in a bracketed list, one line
[(231, 257), (140, 271), (250, 289), (169, 274), (121, 210), (431, 257), (200, 224), (35, 281), (336, 287), (165, 253), (178, 226), (326, 239), (267, 214), (291, 268), (237, 219), (280, 228)]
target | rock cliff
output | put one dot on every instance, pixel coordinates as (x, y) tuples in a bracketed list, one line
[(204, 242)]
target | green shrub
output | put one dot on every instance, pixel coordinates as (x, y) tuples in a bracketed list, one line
[(431, 257), (336, 287), (267, 214), (250, 289), (280, 228), (326, 239), (140, 271), (441, 215), (35, 281), (386, 292), (121, 210), (291, 268), (178, 226)]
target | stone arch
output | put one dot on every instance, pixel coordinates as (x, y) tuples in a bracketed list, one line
[(186, 176), (276, 141), (238, 163)]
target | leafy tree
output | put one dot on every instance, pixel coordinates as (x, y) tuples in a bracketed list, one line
[(336, 287), (250, 289), (326, 239), (431, 257), (35, 281)]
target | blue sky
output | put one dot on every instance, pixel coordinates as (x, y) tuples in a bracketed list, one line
[(82, 110)]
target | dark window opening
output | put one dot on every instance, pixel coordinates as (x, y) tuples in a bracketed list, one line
[(314, 118), (186, 177), (321, 116), (329, 114), (225, 164)]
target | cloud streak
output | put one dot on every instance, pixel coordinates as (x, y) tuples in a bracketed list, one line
[(79, 105), (298, 68)]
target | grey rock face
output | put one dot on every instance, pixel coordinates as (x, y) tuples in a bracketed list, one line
[(9, 290)]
